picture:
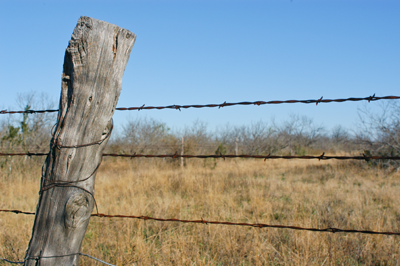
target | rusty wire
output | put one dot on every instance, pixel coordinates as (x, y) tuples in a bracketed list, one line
[(18, 212), (224, 104), (29, 111), (204, 156), (265, 157), (256, 225)]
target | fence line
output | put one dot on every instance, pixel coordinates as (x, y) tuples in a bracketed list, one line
[(176, 155), (265, 157), (204, 156), (224, 104), (256, 225)]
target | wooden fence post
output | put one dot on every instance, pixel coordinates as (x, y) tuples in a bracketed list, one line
[(94, 64)]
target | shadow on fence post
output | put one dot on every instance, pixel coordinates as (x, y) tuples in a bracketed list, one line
[(94, 64)]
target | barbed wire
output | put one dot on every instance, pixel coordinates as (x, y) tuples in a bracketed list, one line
[(204, 156), (56, 256), (256, 225), (224, 104), (265, 157), (18, 212), (29, 111)]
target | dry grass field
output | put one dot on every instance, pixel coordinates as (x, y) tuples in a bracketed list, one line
[(322, 194)]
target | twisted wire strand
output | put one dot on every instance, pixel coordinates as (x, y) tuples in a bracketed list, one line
[(224, 104), (204, 156), (256, 225)]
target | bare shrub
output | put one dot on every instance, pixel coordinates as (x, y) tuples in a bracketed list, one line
[(379, 132), (298, 134), (256, 138), (147, 135)]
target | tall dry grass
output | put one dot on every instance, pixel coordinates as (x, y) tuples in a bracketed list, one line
[(347, 195)]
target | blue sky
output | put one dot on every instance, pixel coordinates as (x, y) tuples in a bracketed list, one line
[(199, 52)]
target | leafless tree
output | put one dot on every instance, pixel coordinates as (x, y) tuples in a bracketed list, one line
[(197, 138), (147, 135), (339, 134), (255, 138), (379, 132), (298, 132)]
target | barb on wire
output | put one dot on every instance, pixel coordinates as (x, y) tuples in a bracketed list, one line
[(257, 225), (258, 103), (203, 156), (370, 98), (18, 212), (320, 99)]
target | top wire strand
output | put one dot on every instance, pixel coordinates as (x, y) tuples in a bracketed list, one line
[(224, 104)]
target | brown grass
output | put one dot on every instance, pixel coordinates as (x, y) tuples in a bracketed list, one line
[(321, 194)]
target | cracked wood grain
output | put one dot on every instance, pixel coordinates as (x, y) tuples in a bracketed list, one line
[(94, 64)]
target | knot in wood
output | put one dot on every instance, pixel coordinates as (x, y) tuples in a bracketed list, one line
[(77, 210)]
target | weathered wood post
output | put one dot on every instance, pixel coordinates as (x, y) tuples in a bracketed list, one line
[(94, 64)]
